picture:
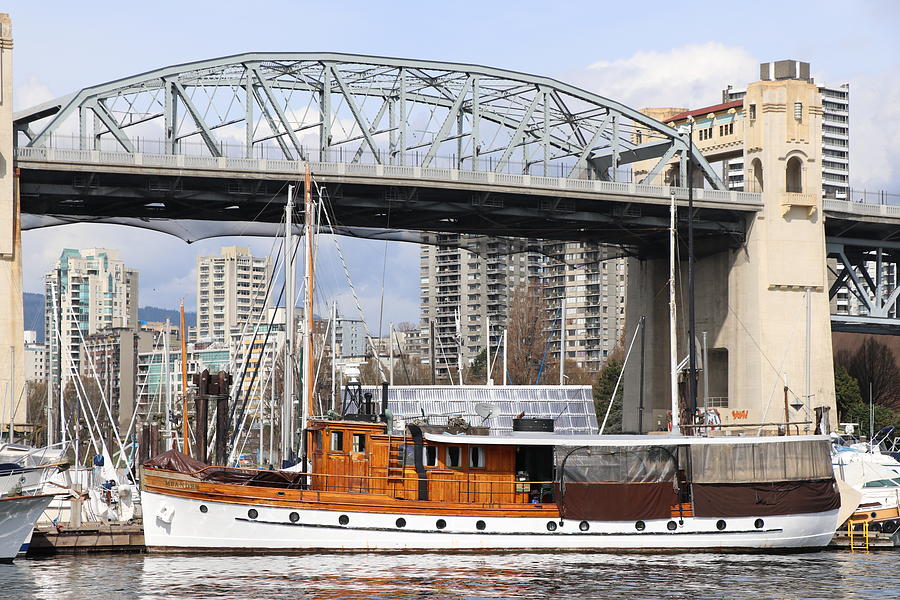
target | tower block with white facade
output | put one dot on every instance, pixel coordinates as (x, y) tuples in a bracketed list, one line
[(763, 306), (12, 350)]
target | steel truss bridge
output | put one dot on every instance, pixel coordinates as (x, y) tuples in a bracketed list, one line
[(400, 145)]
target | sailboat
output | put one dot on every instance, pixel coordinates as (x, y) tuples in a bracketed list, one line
[(369, 482)]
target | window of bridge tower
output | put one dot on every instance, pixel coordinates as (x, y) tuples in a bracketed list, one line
[(756, 176), (794, 176)]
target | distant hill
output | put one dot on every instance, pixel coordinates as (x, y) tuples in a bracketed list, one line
[(34, 314), (153, 313)]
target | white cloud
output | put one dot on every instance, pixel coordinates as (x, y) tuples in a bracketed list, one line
[(687, 76), (30, 93), (875, 131)]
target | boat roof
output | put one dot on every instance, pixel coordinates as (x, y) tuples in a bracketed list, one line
[(521, 438)]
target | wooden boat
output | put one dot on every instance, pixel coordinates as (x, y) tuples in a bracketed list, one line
[(428, 489)]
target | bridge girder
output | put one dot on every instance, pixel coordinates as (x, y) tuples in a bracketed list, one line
[(351, 108)]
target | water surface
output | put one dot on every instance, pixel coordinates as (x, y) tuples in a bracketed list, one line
[(835, 574)]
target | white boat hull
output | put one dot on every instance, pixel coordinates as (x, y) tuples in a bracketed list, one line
[(177, 523), (18, 515)]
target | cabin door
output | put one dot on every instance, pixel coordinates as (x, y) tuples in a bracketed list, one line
[(358, 464)]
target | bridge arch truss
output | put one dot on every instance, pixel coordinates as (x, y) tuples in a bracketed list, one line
[(330, 107)]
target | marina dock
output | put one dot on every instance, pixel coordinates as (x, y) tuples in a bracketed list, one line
[(87, 539)]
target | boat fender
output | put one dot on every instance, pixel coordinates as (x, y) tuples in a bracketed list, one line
[(418, 460), (165, 513)]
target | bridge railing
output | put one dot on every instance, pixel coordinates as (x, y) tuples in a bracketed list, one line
[(862, 208), (364, 170)]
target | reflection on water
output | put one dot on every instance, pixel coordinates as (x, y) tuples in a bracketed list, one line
[(456, 576)]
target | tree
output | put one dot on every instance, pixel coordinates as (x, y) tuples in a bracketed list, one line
[(526, 335), (853, 409), (36, 407), (603, 391), (874, 367)]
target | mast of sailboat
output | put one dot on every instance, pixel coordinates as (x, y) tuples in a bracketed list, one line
[(168, 371), (308, 367), (334, 403), (287, 392), (692, 322), (673, 341), (184, 393)]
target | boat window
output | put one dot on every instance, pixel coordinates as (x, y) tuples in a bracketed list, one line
[(626, 464), (797, 460), (337, 441), (880, 483), (359, 442), (431, 454), (476, 457), (317, 440), (453, 456)]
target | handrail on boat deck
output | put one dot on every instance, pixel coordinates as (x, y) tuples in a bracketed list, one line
[(465, 490)]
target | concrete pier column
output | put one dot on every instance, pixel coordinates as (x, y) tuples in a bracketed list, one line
[(12, 335), (753, 301)]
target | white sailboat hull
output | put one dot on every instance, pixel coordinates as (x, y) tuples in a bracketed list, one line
[(18, 515), (176, 523)]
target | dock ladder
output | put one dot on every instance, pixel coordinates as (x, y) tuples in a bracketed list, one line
[(855, 542)]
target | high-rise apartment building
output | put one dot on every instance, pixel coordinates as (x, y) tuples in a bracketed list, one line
[(593, 287), (231, 291), (89, 290), (466, 282), (35, 358), (835, 129)]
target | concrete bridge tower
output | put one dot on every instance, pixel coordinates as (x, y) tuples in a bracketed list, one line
[(752, 301), (12, 336)]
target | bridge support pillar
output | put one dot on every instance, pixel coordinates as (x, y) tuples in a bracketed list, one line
[(752, 301), (12, 337)]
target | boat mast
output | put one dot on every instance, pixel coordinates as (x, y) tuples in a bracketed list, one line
[(673, 342), (308, 367), (184, 402), (287, 395), (334, 355), (168, 371)]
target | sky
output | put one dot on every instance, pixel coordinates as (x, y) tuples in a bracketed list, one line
[(652, 54)]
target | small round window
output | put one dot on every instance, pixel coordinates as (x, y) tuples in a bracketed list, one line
[(551, 525), (671, 525), (343, 519), (759, 523), (480, 525), (204, 509), (401, 522), (640, 525), (584, 526), (720, 525), (252, 513), (440, 524), (294, 517)]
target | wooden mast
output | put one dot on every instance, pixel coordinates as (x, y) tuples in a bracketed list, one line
[(308, 366), (185, 446)]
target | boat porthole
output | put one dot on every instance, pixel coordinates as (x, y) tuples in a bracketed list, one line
[(720, 525), (281, 493), (671, 525), (401, 522), (480, 525), (584, 526), (440, 524), (294, 517), (551, 525), (204, 509), (640, 526), (874, 515), (343, 519), (759, 523), (252, 513)]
